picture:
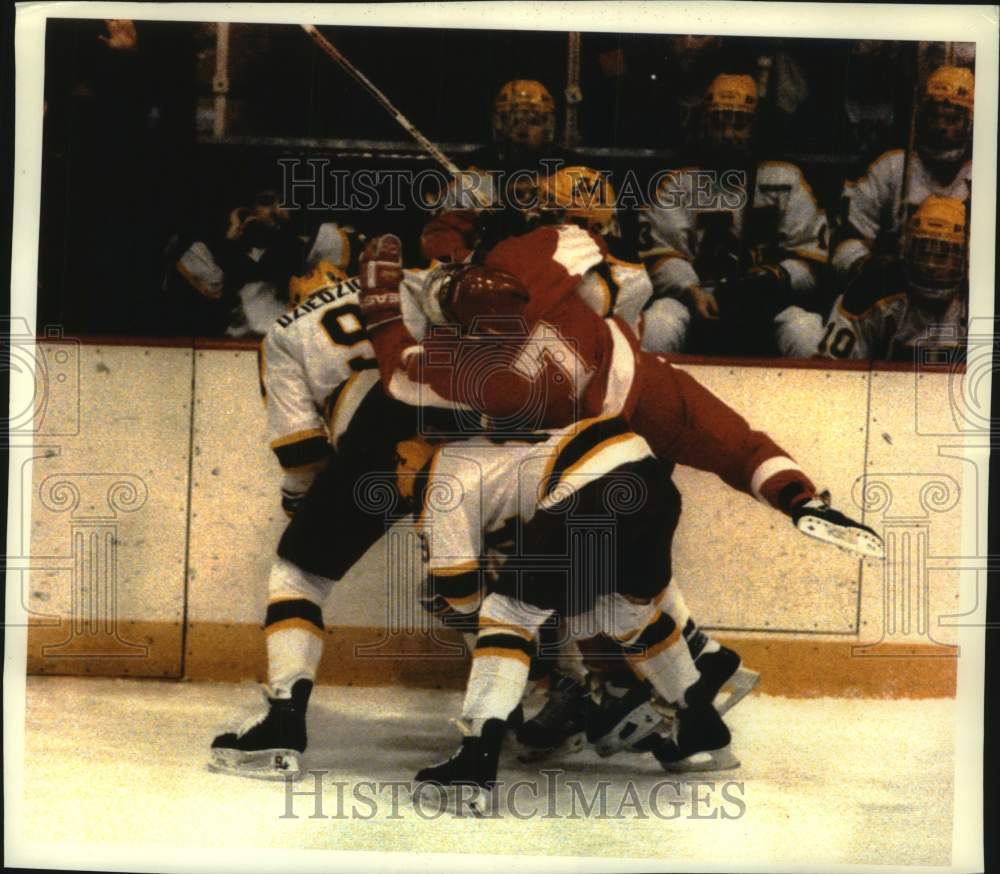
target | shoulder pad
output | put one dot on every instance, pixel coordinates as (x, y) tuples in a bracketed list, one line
[(778, 172)]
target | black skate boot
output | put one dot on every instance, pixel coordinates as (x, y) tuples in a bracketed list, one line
[(558, 726), (268, 746), (698, 741), (718, 670), (619, 723), (471, 772), (515, 719)]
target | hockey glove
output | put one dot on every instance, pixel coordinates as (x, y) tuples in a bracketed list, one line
[(380, 270), (815, 518)]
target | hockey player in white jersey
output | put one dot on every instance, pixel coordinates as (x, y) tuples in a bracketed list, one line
[(922, 300), (749, 278), (620, 285), (522, 155), (541, 485), (300, 370), (329, 423), (872, 212), (236, 281)]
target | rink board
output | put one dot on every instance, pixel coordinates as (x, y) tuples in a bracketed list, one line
[(109, 512), (185, 428)]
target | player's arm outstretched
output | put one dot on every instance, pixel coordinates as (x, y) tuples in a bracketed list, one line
[(703, 432)]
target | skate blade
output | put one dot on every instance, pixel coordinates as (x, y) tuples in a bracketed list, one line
[(573, 744), (459, 800), (260, 765), (852, 540), (740, 684), (710, 760), (649, 721)]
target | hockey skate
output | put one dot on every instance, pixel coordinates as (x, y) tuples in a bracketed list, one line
[(816, 518), (720, 670), (468, 776), (558, 726), (698, 741), (615, 724), (268, 746)]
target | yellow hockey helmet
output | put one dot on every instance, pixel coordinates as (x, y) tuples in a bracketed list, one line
[(322, 275), (524, 111), (936, 248), (951, 85), (729, 91), (583, 196), (945, 122), (729, 110)]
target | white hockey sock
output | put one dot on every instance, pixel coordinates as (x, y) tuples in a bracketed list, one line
[(672, 603), (508, 631), (661, 655), (496, 682), (293, 626), (293, 653)]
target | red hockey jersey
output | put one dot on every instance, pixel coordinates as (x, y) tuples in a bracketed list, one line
[(556, 362), (562, 362)]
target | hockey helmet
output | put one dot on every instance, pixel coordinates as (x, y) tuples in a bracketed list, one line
[(467, 294), (729, 109), (946, 112), (524, 115), (936, 248), (322, 275), (580, 195)]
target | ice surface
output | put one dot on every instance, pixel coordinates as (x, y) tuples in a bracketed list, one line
[(823, 781)]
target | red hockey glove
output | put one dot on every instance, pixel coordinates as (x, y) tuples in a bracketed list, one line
[(380, 270)]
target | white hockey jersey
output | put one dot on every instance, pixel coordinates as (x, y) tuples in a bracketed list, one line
[(893, 327), (259, 303), (317, 365), (617, 288), (871, 205), (695, 211), (614, 288), (307, 357)]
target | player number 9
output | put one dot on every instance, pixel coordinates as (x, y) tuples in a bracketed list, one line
[(344, 327)]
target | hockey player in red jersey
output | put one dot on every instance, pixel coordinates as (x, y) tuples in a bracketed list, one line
[(582, 366), (529, 356), (528, 280)]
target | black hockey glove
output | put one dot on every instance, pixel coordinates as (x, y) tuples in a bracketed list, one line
[(817, 519)]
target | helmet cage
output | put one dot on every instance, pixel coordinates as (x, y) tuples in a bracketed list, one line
[(935, 267)]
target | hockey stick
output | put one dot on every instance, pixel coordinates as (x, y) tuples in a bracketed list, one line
[(332, 52), (902, 218), (571, 132)]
